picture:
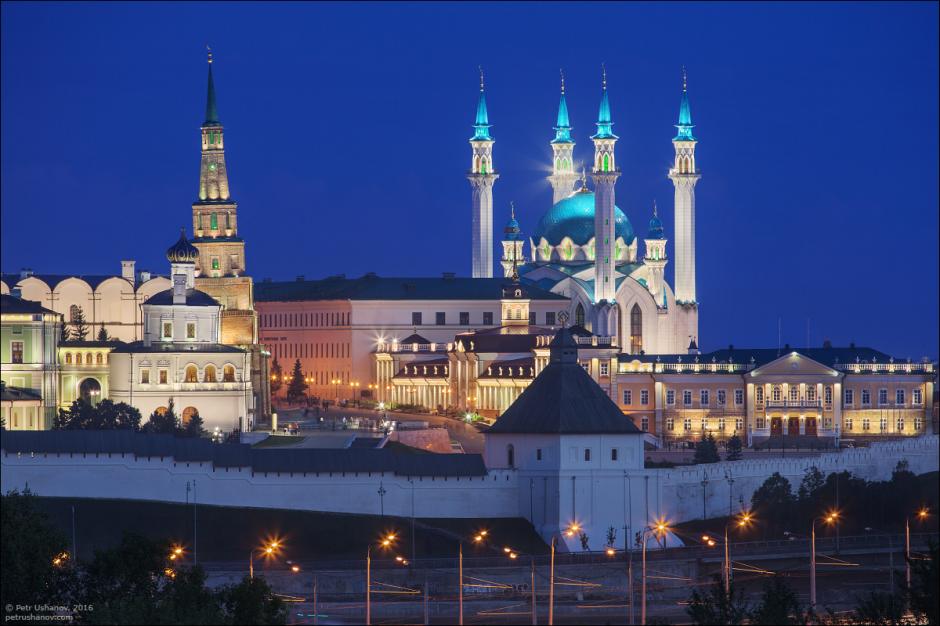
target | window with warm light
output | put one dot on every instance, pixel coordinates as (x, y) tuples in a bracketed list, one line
[(145, 377), (191, 374), (228, 374)]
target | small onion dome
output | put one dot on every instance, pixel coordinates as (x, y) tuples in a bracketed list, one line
[(182, 251), (512, 229), (656, 228)]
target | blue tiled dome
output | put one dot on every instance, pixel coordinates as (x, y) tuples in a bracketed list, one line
[(656, 228), (574, 217), (512, 230), (182, 251)]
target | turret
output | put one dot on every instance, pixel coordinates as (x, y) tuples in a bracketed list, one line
[(563, 175), (512, 244), (655, 258)]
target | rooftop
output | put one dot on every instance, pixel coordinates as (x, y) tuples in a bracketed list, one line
[(12, 304)]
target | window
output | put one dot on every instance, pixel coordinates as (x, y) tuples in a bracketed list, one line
[(16, 351), (644, 397), (636, 330), (645, 423), (721, 397), (587, 455), (866, 424), (917, 396), (761, 422), (627, 397), (215, 263), (550, 318), (739, 396), (759, 395), (882, 397), (68, 358), (579, 315), (613, 454), (538, 454), (488, 318), (918, 423), (883, 424), (827, 423), (670, 424), (416, 318), (510, 456), (209, 375), (721, 424), (687, 424), (190, 330), (464, 318), (848, 423), (703, 397), (670, 397), (687, 397), (739, 424), (214, 221), (440, 318), (850, 396), (811, 393), (162, 377), (899, 424), (776, 393), (899, 396), (228, 374), (191, 374), (866, 397), (168, 330), (532, 320), (78, 358), (828, 395), (145, 377), (794, 393), (605, 368), (99, 359)]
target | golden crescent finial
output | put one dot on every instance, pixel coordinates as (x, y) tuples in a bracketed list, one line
[(562, 72), (604, 74), (209, 51)]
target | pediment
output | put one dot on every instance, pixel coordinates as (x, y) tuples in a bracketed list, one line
[(794, 363)]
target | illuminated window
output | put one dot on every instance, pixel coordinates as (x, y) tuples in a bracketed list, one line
[(670, 396), (68, 358), (917, 396), (776, 392), (78, 358), (16, 351), (866, 424), (794, 393), (739, 424), (670, 424), (848, 423), (191, 374), (214, 221), (606, 167), (209, 375), (828, 394), (627, 397), (167, 330), (215, 263), (605, 369), (759, 395), (228, 374), (687, 424), (760, 422), (190, 330), (163, 376), (811, 393), (636, 330), (899, 424), (644, 397), (883, 424), (145, 377)]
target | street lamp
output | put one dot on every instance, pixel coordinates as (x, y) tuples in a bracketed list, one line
[(385, 543), (743, 520), (830, 518), (271, 549), (659, 528), (921, 517)]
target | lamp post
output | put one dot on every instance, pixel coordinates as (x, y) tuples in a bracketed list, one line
[(921, 515), (661, 528), (269, 550), (830, 518), (742, 520), (385, 543)]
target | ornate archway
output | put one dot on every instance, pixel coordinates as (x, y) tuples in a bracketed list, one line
[(89, 390)]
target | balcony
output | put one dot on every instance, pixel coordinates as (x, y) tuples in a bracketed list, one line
[(794, 404)]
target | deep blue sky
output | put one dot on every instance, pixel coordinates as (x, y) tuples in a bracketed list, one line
[(347, 127)]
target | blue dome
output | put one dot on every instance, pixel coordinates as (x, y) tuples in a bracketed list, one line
[(512, 230), (182, 251), (656, 228), (574, 217)]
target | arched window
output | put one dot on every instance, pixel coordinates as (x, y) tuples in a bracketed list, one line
[(483, 165), (68, 358), (579, 315), (606, 167), (188, 413), (228, 374), (636, 329), (209, 375), (214, 221), (78, 358), (510, 456), (191, 374), (88, 359), (99, 359), (160, 410)]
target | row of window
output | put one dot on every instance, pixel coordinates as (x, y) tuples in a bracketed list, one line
[(539, 455), (899, 424), (214, 221), (900, 397), (167, 334), (304, 320), (191, 374), (704, 397), (310, 350), (719, 424), (99, 358)]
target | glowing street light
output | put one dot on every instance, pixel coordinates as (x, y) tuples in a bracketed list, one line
[(385, 543), (829, 518), (659, 528), (270, 549)]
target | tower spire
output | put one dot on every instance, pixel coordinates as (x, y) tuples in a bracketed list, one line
[(685, 113), (562, 177), (212, 114), (604, 124), (481, 125), (562, 125)]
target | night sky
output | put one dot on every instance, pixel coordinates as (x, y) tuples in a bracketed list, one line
[(347, 127)]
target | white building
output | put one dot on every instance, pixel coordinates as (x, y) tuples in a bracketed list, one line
[(181, 356)]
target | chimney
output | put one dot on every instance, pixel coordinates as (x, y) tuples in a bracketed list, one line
[(25, 273), (693, 346), (127, 271), (179, 289), (16, 292), (827, 344), (144, 276)]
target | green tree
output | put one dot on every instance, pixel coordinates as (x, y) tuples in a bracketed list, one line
[(65, 333), (735, 449), (30, 546), (922, 594), (79, 325), (778, 605), (813, 481), (103, 334), (252, 602), (774, 500), (185, 599), (714, 606), (194, 427), (706, 451), (167, 422), (297, 387), (106, 415), (277, 376)]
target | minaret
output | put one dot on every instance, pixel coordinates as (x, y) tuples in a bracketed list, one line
[(482, 176), (512, 244), (605, 176), (684, 174), (215, 223), (563, 174), (655, 258)]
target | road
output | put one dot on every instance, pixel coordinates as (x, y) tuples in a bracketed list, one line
[(467, 435)]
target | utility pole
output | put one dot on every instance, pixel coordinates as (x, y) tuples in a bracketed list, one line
[(194, 521), (551, 587), (426, 600), (315, 607), (534, 614), (460, 582)]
